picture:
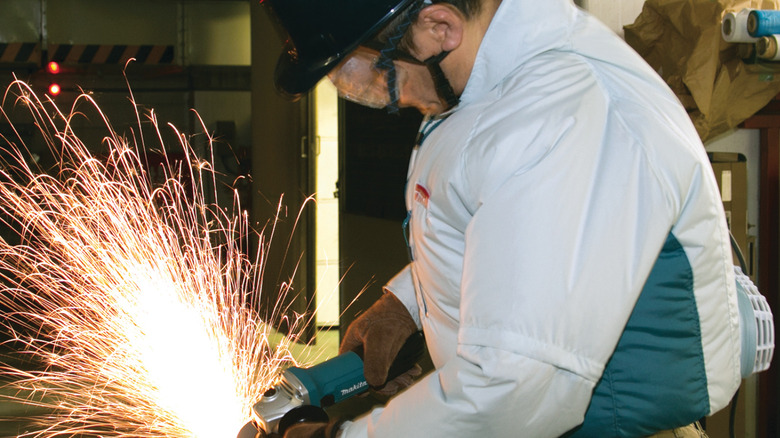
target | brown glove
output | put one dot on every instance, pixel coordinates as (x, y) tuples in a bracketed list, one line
[(401, 382), (381, 331), (314, 430)]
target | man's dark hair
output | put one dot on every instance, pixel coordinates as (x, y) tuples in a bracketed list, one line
[(469, 8)]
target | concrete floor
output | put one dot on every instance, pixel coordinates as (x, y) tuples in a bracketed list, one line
[(15, 417), (326, 346)]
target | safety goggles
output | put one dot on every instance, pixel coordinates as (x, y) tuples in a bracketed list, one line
[(368, 78), (358, 78)]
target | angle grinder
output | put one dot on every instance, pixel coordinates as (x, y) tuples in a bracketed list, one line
[(302, 393)]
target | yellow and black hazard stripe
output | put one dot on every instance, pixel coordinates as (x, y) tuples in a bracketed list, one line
[(110, 54), (20, 53), (86, 53)]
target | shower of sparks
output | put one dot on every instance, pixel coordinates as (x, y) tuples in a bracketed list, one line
[(139, 298)]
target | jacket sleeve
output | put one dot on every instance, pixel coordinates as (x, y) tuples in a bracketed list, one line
[(462, 399), (402, 286)]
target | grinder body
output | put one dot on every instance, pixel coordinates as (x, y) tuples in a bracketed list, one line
[(302, 392), (321, 385)]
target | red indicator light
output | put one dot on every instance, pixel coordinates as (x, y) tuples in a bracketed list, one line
[(53, 67), (54, 89)]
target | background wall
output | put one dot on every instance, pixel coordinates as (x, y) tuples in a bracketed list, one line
[(613, 14)]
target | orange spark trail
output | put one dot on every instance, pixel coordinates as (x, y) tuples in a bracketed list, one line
[(140, 299)]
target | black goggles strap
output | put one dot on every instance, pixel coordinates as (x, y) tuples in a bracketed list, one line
[(443, 86), (389, 52)]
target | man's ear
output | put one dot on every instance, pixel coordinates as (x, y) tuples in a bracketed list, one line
[(444, 24)]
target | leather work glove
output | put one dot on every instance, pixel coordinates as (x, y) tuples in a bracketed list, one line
[(312, 430), (400, 383), (381, 331)]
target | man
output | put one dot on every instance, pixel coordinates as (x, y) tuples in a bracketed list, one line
[(571, 267)]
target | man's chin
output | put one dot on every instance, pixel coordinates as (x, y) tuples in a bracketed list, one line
[(431, 108)]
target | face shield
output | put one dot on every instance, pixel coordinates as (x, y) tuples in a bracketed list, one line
[(374, 74), (359, 78), (367, 78)]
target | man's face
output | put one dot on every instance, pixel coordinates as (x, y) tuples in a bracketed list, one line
[(359, 79), (419, 91)]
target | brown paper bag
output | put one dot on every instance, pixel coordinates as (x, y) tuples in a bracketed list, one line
[(720, 83)]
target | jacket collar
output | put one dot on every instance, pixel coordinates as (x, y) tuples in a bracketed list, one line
[(519, 30)]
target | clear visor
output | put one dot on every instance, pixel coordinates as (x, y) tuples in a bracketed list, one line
[(358, 79)]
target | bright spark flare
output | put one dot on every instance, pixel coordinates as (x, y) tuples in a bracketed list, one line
[(139, 298)]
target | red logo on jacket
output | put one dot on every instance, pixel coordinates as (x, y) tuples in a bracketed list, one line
[(421, 195)]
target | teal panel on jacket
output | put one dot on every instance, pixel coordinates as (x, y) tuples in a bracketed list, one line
[(655, 379)]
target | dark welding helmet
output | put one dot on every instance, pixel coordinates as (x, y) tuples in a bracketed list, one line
[(320, 33)]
